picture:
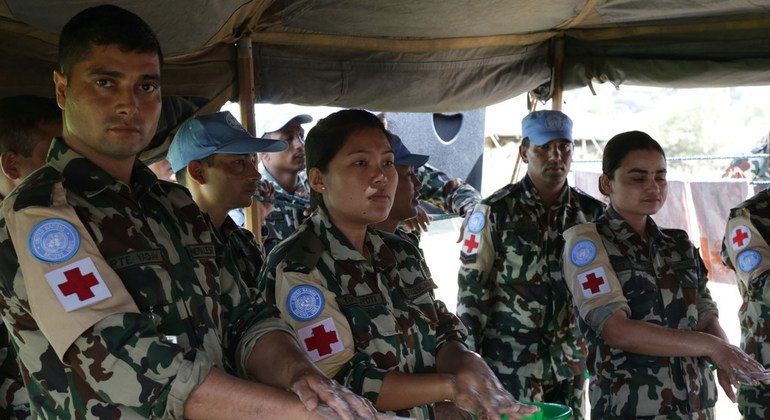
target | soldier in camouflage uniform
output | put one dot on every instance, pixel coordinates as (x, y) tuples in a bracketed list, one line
[(745, 249), (285, 170), (216, 159), (110, 282), (642, 300), (511, 294), (27, 126), (360, 300), (453, 195)]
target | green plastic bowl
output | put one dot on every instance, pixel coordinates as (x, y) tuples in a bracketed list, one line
[(550, 411)]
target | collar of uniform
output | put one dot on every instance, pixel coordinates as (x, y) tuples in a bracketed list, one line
[(90, 178), (340, 247), (617, 222), (531, 192)]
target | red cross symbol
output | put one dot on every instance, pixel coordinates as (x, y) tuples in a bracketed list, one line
[(592, 282), (78, 284), (471, 244), (739, 237), (321, 340)]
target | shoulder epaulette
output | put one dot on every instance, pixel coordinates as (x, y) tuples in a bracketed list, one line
[(760, 197), (305, 250), (37, 189), (500, 194)]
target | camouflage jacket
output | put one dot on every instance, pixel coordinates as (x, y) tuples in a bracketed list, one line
[(609, 267), (745, 249), (434, 190), (242, 249), (359, 320), (117, 301), (511, 294), (284, 219)]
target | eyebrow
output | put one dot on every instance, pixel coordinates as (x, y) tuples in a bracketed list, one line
[(101, 71), (642, 171)]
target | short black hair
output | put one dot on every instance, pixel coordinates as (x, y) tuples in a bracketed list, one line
[(104, 25), (620, 146), (330, 134), (20, 119)]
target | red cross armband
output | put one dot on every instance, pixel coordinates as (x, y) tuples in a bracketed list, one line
[(587, 270), (746, 247), (68, 284)]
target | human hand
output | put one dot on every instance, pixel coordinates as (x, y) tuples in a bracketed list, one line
[(326, 398), (418, 223), (462, 227), (266, 189), (477, 390), (734, 367)]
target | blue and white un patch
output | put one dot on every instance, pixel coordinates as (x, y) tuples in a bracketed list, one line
[(582, 253), (54, 241), (476, 222), (305, 302), (748, 260)]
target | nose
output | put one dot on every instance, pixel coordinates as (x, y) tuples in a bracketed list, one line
[(127, 102), (380, 176), (415, 183)]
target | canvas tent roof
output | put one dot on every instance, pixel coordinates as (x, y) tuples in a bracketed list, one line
[(406, 55)]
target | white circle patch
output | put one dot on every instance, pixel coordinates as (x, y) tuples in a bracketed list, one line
[(54, 241), (748, 260), (305, 302), (476, 222), (582, 253), (740, 236)]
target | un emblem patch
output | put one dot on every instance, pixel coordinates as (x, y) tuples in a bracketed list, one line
[(582, 253), (54, 240), (748, 260), (305, 302), (476, 222)]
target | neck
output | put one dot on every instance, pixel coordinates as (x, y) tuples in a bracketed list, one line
[(388, 225), (548, 192), (638, 223), (216, 213), (354, 232), (286, 179), (121, 167)]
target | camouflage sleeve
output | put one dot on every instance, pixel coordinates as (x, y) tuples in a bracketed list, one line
[(449, 328), (706, 305), (439, 190), (15, 401), (476, 272)]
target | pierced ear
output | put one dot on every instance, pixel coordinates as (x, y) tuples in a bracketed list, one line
[(197, 171), (316, 179), (60, 84), (9, 165)]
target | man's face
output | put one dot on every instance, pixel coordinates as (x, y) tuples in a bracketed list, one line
[(111, 103), (291, 159), (548, 164), (405, 201), (232, 180)]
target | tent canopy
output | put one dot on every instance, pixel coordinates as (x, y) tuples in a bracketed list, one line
[(405, 55)]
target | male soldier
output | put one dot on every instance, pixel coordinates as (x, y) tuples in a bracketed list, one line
[(117, 304), (745, 249), (285, 170), (27, 125), (512, 296), (216, 159)]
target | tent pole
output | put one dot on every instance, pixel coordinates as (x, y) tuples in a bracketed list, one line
[(558, 68), (246, 98)]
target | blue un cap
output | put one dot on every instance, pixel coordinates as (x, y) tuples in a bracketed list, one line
[(541, 127), (202, 136), (403, 156)]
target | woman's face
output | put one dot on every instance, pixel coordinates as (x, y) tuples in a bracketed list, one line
[(639, 185), (360, 182)]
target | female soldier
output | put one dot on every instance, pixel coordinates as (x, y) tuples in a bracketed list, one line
[(641, 293), (361, 301)]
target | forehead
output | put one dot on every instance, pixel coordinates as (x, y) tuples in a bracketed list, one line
[(112, 57), (366, 140), (644, 159)]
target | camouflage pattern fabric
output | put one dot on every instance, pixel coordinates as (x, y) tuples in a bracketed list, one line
[(193, 311), (664, 283), (242, 249), (754, 286), (384, 312), (284, 219), (512, 297), (434, 190), (755, 168), (14, 402)]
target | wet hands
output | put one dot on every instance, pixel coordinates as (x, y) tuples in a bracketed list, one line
[(327, 399), (734, 367)]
